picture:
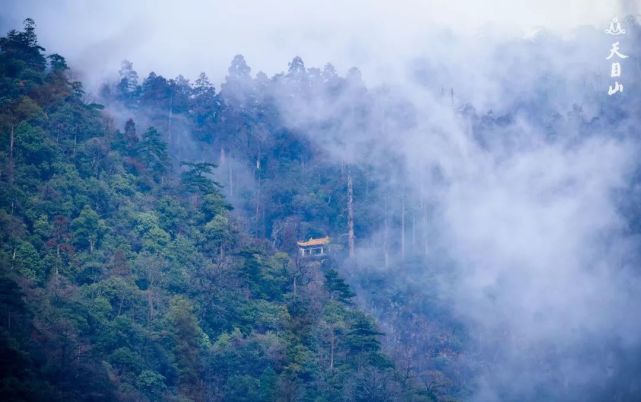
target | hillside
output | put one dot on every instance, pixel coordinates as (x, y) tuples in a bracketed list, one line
[(126, 275)]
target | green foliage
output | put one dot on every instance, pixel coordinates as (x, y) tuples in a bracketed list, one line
[(197, 179), (337, 287), (88, 228), (124, 278), (151, 383), (153, 153), (154, 239)]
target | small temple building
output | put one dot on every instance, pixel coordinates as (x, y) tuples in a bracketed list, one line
[(314, 247)]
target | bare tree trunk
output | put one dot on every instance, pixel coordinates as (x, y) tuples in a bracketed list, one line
[(150, 303), (295, 276), (12, 141), (350, 213), (413, 229), (295, 285), (152, 278), (258, 195), (231, 176), (403, 226), (386, 233), (11, 144), (169, 116), (332, 346), (122, 301), (425, 241)]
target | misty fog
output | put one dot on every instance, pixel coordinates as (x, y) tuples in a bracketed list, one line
[(489, 121)]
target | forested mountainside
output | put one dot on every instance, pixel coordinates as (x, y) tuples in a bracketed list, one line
[(484, 234), (475, 216), (125, 274)]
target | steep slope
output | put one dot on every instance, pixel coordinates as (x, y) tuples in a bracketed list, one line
[(124, 275)]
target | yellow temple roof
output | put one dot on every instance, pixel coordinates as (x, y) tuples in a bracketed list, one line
[(314, 242)]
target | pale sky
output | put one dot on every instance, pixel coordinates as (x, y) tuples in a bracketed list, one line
[(174, 37)]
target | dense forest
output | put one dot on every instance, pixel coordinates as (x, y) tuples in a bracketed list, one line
[(150, 227), (125, 273)]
